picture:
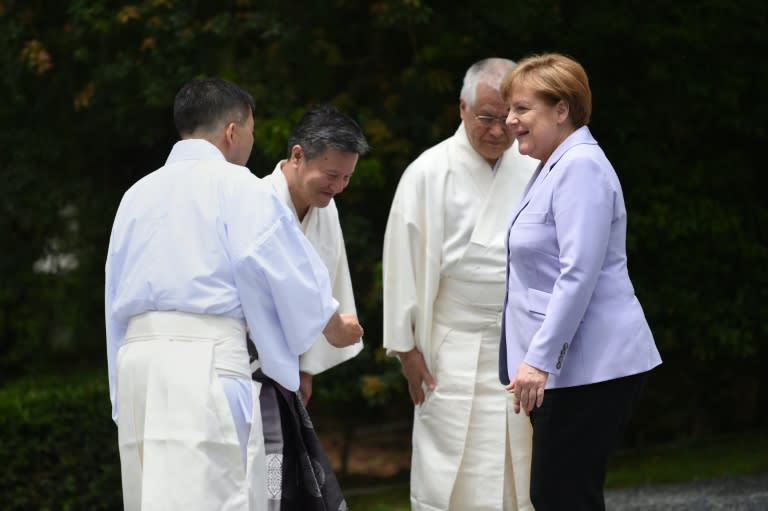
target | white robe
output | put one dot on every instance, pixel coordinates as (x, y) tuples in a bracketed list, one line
[(322, 228), (201, 237), (446, 230)]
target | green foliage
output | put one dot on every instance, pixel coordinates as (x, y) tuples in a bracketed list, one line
[(87, 90), (59, 447)]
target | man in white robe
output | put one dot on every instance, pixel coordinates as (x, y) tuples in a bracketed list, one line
[(323, 150), (444, 272), (200, 251)]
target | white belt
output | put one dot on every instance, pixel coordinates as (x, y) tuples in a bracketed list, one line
[(227, 334), (468, 305)]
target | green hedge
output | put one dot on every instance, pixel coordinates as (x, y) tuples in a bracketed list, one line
[(58, 447)]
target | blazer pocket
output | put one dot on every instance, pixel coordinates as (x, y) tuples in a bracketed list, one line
[(531, 218), (538, 301)]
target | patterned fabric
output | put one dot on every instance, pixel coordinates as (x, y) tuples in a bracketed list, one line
[(299, 475)]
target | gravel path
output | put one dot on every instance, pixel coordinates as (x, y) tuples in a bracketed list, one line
[(743, 493)]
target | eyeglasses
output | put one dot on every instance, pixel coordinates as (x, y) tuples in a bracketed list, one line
[(489, 120)]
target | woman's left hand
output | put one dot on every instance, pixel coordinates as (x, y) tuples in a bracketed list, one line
[(528, 388)]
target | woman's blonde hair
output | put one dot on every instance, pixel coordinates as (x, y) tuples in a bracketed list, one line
[(553, 77)]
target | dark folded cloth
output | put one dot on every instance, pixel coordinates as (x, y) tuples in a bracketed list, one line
[(299, 475)]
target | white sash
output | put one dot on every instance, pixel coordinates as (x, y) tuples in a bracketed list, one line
[(179, 447)]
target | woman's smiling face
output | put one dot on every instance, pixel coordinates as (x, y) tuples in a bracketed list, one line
[(538, 125)]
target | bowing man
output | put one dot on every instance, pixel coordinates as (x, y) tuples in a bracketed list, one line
[(322, 153), (201, 250)]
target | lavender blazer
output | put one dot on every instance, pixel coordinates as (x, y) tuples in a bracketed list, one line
[(570, 308)]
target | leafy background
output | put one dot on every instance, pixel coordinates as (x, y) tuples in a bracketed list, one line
[(87, 88)]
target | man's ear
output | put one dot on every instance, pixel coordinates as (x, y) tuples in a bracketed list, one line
[(297, 154), (229, 133), (464, 111)]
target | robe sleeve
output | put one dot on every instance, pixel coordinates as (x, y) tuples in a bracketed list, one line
[(411, 261), (115, 334), (115, 327), (322, 355), (284, 289)]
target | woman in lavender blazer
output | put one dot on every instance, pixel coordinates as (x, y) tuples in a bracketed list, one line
[(575, 344)]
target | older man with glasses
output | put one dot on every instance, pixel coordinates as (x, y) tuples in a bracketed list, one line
[(444, 273)]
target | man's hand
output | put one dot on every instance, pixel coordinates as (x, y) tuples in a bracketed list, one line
[(343, 330), (416, 372), (528, 388), (305, 387)]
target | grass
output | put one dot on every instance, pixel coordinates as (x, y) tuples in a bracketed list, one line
[(394, 498), (745, 453)]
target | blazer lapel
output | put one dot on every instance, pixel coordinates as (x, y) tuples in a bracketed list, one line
[(536, 179), (580, 136)]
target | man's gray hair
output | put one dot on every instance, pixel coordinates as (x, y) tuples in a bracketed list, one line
[(324, 127), (489, 71)]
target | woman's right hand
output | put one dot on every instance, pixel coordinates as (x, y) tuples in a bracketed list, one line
[(528, 388)]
